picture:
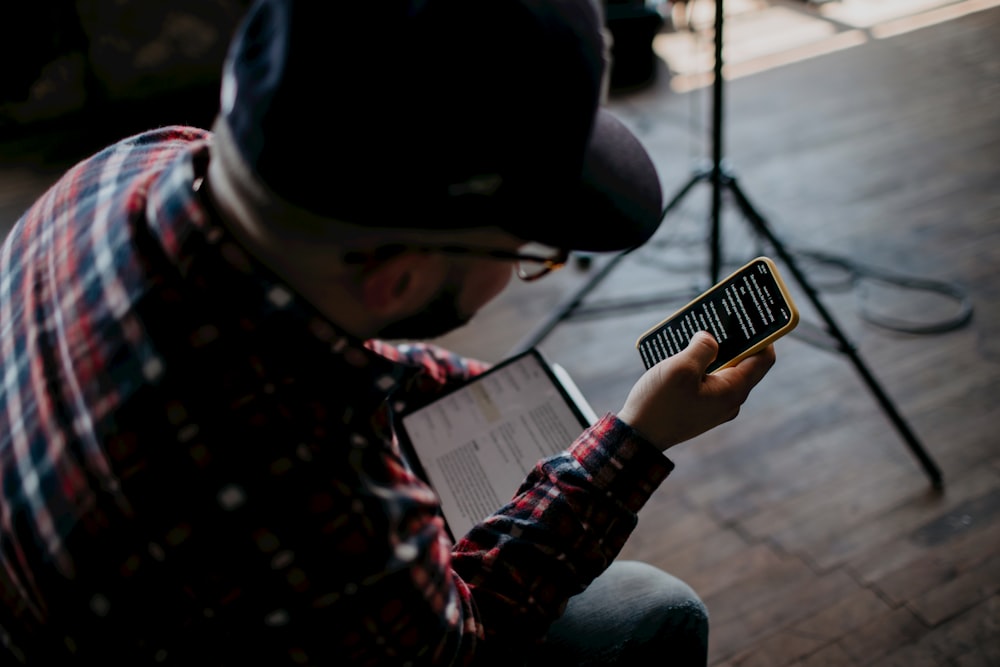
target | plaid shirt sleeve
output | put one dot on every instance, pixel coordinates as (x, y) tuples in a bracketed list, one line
[(439, 369), (197, 468), (578, 508), (562, 528)]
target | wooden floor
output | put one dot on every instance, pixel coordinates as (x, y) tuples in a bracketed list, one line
[(871, 147), (807, 524)]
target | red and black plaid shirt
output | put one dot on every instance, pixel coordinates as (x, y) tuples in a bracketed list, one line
[(199, 469)]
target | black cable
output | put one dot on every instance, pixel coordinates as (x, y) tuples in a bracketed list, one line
[(858, 273), (847, 275)]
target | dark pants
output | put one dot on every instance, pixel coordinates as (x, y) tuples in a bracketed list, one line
[(634, 614)]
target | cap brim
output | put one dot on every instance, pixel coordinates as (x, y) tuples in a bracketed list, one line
[(619, 202)]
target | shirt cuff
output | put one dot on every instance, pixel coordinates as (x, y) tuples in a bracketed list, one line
[(622, 462)]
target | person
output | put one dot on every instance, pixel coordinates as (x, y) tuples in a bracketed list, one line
[(206, 335)]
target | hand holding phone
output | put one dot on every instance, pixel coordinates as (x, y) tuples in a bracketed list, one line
[(745, 312), (675, 400)]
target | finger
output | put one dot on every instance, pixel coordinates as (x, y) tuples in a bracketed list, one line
[(702, 350), (750, 371)]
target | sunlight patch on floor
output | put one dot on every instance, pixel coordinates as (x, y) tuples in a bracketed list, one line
[(758, 36)]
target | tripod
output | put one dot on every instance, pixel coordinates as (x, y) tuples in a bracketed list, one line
[(722, 179)]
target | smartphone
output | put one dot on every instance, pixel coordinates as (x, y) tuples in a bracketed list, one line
[(746, 312)]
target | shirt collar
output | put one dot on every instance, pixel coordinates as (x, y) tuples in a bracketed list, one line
[(186, 226)]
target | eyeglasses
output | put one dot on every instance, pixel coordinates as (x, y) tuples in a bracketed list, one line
[(532, 260)]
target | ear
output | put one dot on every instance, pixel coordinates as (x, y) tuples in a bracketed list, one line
[(391, 286)]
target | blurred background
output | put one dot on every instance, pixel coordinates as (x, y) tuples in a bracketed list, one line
[(69, 59), (866, 133)]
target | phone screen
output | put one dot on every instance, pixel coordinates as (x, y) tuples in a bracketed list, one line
[(744, 312)]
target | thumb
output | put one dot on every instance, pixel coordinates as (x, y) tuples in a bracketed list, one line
[(702, 349)]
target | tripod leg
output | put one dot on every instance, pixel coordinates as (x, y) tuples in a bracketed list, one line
[(697, 176), (566, 308), (760, 225)]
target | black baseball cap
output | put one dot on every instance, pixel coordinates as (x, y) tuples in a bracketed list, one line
[(440, 114)]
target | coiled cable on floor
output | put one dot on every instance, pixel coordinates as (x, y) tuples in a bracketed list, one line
[(859, 276)]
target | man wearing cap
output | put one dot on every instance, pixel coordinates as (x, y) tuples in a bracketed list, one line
[(196, 408)]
